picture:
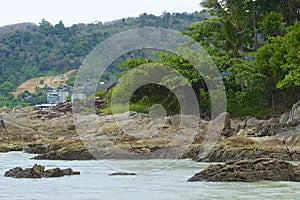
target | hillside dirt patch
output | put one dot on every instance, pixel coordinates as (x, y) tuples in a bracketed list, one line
[(53, 81)]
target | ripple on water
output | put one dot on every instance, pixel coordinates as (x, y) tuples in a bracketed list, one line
[(156, 179)]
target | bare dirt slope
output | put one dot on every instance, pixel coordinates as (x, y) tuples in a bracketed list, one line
[(53, 81)]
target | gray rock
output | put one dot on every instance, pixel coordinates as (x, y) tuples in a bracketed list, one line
[(56, 172), (175, 120), (36, 148), (69, 171), (249, 171), (38, 171), (295, 113), (13, 172), (122, 174), (264, 132), (284, 118), (252, 123)]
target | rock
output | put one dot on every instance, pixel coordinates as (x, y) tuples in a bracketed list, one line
[(66, 154), (241, 125), (122, 174), (251, 131), (284, 118), (175, 120), (36, 148), (273, 121), (242, 133), (53, 135), (13, 172), (265, 131), (2, 125), (64, 107), (35, 172), (249, 171), (295, 113), (252, 123), (227, 131), (244, 148), (5, 110), (38, 171), (56, 172), (126, 115), (69, 171), (4, 149)]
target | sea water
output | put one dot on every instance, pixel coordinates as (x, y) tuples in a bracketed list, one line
[(156, 179)]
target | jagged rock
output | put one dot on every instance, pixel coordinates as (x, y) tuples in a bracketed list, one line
[(122, 174), (227, 131), (295, 113), (5, 110), (38, 171), (13, 172), (64, 107), (252, 123), (55, 136), (244, 148), (272, 121), (66, 154), (250, 171), (284, 118), (36, 148), (265, 131), (56, 172), (4, 149), (175, 120), (69, 171)]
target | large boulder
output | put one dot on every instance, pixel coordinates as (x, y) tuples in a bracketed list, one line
[(250, 171)]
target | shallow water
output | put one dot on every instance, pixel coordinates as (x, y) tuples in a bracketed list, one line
[(156, 179)]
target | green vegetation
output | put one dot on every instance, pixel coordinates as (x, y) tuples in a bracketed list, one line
[(255, 45), (29, 50)]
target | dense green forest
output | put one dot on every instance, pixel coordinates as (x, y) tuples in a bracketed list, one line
[(255, 45), (28, 50)]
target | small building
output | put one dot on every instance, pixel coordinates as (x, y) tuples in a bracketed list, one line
[(55, 98)]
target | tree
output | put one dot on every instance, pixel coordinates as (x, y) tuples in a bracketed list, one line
[(6, 88), (279, 62), (45, 27), (272, 25)]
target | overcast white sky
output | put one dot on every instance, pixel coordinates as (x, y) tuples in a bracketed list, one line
[(87, 11)]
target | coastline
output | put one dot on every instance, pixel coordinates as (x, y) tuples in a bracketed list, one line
[(54, 135)]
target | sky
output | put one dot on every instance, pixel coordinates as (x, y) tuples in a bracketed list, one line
[(87, 11)]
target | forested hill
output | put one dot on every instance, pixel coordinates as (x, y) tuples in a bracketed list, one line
[(28, 50)]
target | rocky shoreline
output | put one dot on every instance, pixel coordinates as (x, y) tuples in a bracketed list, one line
[(246, 145), (54, 135)]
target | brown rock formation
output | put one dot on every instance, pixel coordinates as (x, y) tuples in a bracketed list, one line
[(250, 171)]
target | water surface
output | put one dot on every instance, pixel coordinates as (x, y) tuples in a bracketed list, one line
[(156, 179)]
